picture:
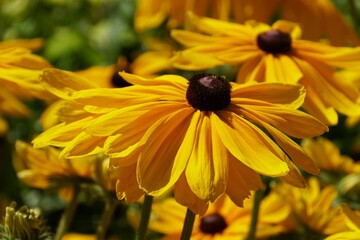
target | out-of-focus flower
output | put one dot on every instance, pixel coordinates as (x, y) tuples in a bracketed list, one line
[(313, 208), (23, 223), (322, 18), (78, 236), (224, 219), (326, 156), (276, 53), (152, 13), (43, 168), (352, 221), (321, 21), (173, 126), (19, 71)]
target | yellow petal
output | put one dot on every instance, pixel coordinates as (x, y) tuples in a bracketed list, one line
[(161, 144), (186, 197), (281, 68), (206, 171), (243, 140)]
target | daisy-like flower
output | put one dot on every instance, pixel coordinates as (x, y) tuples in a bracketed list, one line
[(313, 208), (43, 168), (352, 221), (19, 70), (224, 219), (276, 53), (204, 135), (322, 18), (327, 156)]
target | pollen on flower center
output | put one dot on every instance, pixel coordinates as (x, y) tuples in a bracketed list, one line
[(117, 81), (208, 92), (274, 41), (212, 224)]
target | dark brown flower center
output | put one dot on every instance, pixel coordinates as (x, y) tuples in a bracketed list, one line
[(208, 92), (212, 224), (274, 41), (117, 81)]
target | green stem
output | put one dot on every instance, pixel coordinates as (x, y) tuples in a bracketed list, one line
[(188, 225), (110, 206), (145, 216), (255, 213), (68, 214), (354, 14)]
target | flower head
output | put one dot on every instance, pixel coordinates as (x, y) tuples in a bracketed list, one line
[(223, 220), (274, 54), (19, 70), (313, 208), (203, 148)]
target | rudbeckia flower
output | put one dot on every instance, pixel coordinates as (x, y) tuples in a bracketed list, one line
[(224, 219), (43, 168), (353, 223), (327, 156), (274, 54), (321, 21), (19, 70), (313, 208), (202, 136)]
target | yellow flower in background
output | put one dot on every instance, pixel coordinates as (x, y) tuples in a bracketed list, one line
[(352, 221), (19, 71), (312, 208), (223, 220), (152, 13), (274, 54), (43, 168), (204, 134), (319, 19), (327, 156)]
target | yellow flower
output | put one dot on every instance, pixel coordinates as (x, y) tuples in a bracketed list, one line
[(268, 54), (152, 13), (326, 156), (223, 220), (352, 221), (42, 168), (322, 18), (313, 208), (78, 236), (203, 135), (19, 70)]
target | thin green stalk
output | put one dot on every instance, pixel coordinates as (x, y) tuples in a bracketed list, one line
[(354, 14), (188, 225), (145, 216), (255, 213), (68, 214), (110, 206)]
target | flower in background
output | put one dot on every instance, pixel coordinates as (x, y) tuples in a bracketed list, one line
[(43, 168), (223, 220), (313, 209), (204, 135), (19, 70), (152, 13), (322, 18), (327, 156), (352, 219), (274, 54), (321, 21)]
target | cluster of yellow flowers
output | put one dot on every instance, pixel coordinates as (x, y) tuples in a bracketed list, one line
[(219, 124)]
